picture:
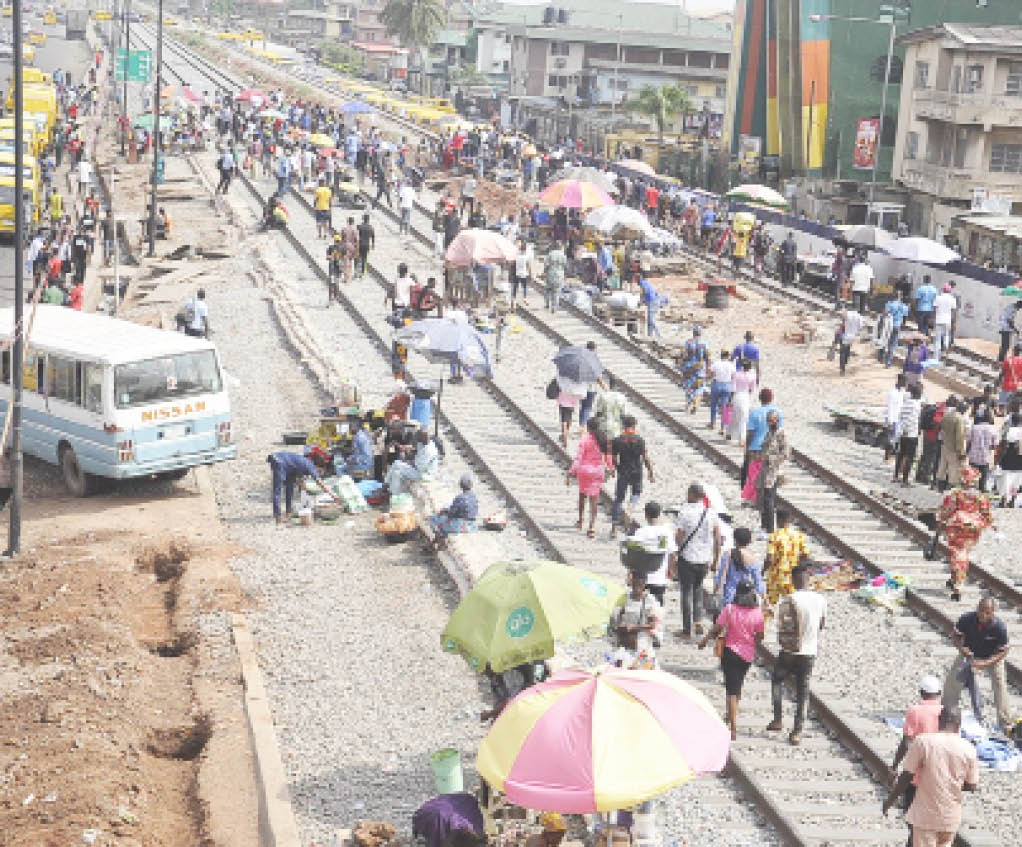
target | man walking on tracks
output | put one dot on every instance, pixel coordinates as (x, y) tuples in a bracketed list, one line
[(944, 765), (800, 618), (982, 641), (789, 258), (920, 719), (366, 241)]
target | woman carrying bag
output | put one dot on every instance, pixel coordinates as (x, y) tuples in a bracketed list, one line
[(738, 629)]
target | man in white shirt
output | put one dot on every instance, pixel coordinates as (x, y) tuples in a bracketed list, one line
[(850, 330), (895, 398), (697, 533), (468, 195), (402, 295), (85, 175), (943, 315), (810, 612), (861, 276), (198, 311), (655, 537), (405, 202)]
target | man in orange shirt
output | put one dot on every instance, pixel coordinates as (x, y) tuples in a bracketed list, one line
[(652, 198), (921, 718), (944, 765)]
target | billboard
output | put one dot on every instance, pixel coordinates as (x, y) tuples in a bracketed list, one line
[(865, 150)]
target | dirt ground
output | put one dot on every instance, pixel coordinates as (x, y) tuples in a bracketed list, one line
[(112, 716), (122, 719)]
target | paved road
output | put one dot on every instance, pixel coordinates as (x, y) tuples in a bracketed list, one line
[(56, 53)]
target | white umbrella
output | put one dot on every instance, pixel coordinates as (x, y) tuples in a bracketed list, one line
[(613, 219), (761, 194), (922, 250), (866, 235), (603, 179)]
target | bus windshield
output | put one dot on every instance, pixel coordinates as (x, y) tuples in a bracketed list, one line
[(166, 378)]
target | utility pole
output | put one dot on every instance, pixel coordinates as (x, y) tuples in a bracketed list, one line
[(125, 125), (156, 127), (617, 65), (18, 363)]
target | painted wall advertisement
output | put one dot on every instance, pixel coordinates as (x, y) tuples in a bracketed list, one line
[(866, 134), (991, 202)]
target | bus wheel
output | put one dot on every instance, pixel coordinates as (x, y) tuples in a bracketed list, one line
[(76, 480)]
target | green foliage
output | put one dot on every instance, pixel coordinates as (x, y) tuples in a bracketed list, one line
[(662, 104), (342, 57), (414, 22)]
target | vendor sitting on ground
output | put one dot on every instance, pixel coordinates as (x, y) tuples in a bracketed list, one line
[(554, 829), (288, 468), (449, 820), (361, 459), (460, 516), (402, 474)]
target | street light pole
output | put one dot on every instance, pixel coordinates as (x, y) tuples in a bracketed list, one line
[(617, 66), (18, 357), (156, 128), (125, 125)]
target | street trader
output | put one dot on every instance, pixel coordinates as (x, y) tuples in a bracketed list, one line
[(288, 468)]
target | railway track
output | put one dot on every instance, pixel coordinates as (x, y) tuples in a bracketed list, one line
[(506, 433), (960, 364)]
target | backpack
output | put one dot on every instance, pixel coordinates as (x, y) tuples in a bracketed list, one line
[(788, 634), (188, 311), (928, 417)]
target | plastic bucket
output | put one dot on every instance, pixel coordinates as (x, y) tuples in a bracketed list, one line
[(447, 771), (422, 411)]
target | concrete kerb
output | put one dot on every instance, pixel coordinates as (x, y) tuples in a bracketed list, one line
[(277, 826)]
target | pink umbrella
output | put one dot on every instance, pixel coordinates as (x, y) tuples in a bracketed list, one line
[(594, 741), (480, 246), (575, 194)]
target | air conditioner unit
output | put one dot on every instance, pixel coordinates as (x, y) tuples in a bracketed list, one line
[(560, 63)]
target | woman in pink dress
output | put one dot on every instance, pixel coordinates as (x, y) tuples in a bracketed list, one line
[(591, 464)]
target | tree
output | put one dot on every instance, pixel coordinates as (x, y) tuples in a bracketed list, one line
[(662, 105), (415, 24)]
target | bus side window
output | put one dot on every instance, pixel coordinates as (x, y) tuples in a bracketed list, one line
[(92, 388), (5, 366), (63, 381)]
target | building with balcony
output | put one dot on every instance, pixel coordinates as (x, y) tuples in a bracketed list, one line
[(597, 52), (959, 139), (326, 20)]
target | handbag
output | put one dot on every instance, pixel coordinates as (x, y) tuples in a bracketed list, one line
[(552, 389), (725, 415), (718, 645)]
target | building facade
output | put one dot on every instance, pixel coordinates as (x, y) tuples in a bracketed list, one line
[(807, 80), (959, 138)]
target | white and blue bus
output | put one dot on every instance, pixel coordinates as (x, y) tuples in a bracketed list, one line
[(110, 398)]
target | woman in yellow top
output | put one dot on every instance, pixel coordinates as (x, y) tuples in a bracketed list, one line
[(786, 549), (324, 196), (56, 207)]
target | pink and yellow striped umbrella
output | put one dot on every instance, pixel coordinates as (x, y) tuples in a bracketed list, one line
[(575, 194), (594, 741)]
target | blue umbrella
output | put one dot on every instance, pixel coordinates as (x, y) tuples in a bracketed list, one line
[(357, 107), (579, 364), (444, 340)]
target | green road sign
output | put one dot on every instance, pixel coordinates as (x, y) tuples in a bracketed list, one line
[(136, 67)]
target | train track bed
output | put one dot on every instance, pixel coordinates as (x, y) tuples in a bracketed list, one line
[(833, 813)]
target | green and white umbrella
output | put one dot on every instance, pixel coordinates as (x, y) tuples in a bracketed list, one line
[(761, 195)]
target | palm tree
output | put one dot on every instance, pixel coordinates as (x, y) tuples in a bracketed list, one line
[(415, 23), (662, 105)]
